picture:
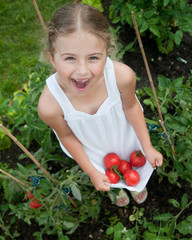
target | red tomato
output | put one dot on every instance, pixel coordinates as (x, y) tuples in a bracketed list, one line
[(137, 159), (124, 165), (35, 204), (111, 159), (132, 177), (113, 177), (29, 195)]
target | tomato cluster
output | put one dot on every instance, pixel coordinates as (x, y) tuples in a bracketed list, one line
[(34, 203), (122, 169)]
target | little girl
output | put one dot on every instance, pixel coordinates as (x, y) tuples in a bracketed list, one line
[(90, 101)]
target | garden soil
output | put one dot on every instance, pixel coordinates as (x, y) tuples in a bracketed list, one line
[(159, 191)]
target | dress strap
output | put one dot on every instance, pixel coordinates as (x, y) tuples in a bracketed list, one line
[(59, 95), (110, 80)]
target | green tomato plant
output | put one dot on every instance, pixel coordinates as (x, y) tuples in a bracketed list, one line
[(174, 98), (164, 21)]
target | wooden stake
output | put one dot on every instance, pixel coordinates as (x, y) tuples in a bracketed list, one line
[(33, 159), (40, 17), (14, 178), (27, 152), (168, 138), (151, 82)]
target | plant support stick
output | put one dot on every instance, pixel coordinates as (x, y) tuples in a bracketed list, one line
[(27, 152), (39, 15), (15, 179), (151, 82), (32, 158)]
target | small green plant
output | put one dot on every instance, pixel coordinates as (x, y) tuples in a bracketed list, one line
[(174, 98), (60, 213), (5, 142), (163, 227), (94, 3), (165, 21), (4, 227), (22, 112)]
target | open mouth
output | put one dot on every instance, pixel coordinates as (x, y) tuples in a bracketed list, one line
[(80, 84)]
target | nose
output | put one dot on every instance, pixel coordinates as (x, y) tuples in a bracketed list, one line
[(82, 68)]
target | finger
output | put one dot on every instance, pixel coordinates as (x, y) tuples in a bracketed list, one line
[(106, 186), (158, 163), (106, 179)]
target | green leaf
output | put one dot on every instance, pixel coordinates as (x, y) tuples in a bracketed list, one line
[(166, 2), (143, 27), (154, 21), (76, 192), (163, 82), (149, 14), (184, 200), (178, 37), (174, 202), (129, 46), (177, 83), (155, 1), (188, 165), (163, 217), (148, 102), (185, 227), (151, 236), (116, 20), (109, 231), (177, 126), (155, 31), (118, 228), (68, 225), (4, 207), (172, 177), (5, 142), (152, 228)]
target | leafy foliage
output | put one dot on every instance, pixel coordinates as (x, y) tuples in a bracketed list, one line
[(163, 227), (175, 103), (95, 3), (165, 21)]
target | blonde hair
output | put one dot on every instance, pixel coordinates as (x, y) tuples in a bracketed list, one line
[(75, 16)]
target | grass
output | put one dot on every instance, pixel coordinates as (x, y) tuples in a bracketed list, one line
[(21, 40)]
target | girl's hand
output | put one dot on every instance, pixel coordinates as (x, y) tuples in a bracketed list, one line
[(154, 157), (100, 181)]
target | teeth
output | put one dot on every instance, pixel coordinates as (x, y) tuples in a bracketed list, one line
[(79, 83), (79, 80)]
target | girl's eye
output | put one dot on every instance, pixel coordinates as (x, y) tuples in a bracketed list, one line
[(93, 58), (69, 58)]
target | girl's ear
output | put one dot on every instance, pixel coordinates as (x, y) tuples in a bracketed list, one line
[(51, 57)]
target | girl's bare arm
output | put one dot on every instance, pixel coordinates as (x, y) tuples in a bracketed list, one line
[(126, 82), (50, 112)]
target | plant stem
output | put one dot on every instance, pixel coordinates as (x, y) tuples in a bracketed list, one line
[(176, 217)]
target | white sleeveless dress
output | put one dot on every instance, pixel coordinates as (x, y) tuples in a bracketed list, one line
[(104, 132)]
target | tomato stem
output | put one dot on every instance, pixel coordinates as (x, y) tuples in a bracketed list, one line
[(139, 154), (115, 170)]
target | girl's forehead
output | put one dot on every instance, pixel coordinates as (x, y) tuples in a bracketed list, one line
[(80, 34), (78, 40)]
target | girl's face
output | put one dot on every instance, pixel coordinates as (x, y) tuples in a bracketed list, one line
[(79, 60)]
